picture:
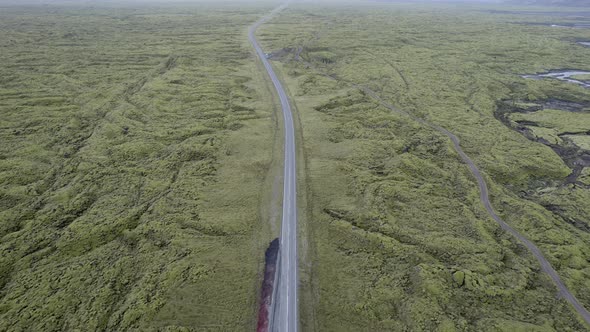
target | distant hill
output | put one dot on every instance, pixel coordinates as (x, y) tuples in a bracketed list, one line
[(570, 3)]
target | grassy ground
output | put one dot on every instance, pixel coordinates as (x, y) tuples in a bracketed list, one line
[(582, 77), (399, 237), (136, 144)]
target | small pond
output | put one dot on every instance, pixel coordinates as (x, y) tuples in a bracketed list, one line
[(559, 24), (571, 76)]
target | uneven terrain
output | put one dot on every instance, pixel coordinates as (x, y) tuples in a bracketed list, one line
[(399, 236), (139, 156), (135, 149)]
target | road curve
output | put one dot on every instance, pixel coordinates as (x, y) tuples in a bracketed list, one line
[(485, 200), (285, 311)]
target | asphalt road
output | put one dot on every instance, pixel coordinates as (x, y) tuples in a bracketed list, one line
[(546, 267), (284, 308)]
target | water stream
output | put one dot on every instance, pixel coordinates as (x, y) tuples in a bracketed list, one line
[(565, 76)]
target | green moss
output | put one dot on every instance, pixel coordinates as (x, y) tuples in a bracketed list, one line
[(583, 141), (135, 147), (394, 210), (561, 121), (583, 77), (459, 277)]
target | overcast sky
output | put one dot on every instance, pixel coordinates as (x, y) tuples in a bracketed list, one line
[(29, 2)]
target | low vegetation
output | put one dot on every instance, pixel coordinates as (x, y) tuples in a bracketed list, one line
[(399, 237), (138, 148), (582, 77), (135, 147)]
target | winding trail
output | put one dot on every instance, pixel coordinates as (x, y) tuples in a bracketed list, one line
[(284, 310), (546, 267), (485, 200)]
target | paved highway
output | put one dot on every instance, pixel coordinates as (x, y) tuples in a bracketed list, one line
[(285, 306), (285, 312)]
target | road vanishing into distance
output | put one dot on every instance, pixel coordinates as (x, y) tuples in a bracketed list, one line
[(285, 317), (284, 311)]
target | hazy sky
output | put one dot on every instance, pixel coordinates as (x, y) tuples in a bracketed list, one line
[(29, 2)]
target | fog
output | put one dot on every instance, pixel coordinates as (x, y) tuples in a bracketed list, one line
[(120, 3), (115, 2)]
